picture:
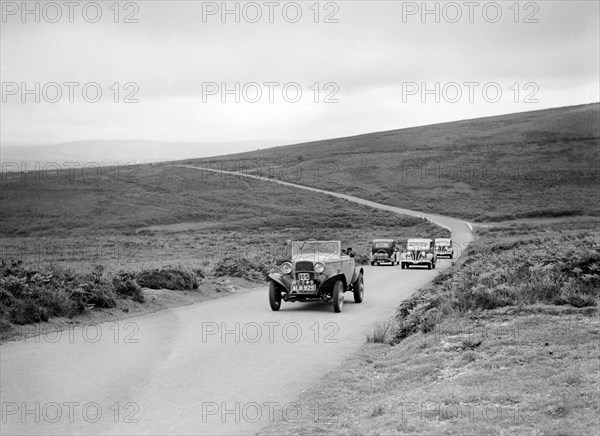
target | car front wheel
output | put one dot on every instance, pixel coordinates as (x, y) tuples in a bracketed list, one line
[(359, 289), (338, 296), (274, 296)]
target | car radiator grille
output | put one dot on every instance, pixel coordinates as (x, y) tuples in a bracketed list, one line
[(304, 266)]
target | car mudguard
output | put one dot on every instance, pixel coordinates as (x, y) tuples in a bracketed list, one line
[(278, 278), (357, 272), (331, 280)]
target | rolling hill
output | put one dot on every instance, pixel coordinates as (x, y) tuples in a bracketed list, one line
[(533, 164)]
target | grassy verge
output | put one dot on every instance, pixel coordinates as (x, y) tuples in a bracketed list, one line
[(505, 344)]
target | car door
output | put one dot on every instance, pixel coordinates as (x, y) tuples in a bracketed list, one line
[(347, 267), (431, 250)]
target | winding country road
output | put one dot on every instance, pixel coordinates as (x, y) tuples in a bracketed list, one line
[(217, 367)]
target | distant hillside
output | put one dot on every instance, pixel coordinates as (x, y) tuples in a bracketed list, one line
[(541, 163), (110, 151)]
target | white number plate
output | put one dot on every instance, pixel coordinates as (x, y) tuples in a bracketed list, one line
[(304, 288)]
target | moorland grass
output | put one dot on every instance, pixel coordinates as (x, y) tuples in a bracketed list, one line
[(534, 164), (556, 268)]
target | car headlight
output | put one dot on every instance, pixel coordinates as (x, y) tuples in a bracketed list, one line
[(286, 267), (319, 267)]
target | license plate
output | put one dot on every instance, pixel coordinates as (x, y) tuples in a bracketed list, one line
[(304, 276), (304, 288)]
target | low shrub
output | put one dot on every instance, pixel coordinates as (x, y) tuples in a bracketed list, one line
[(362, 259), (558, 269), (168, 278), (30, 295), (249, 269), (126, 287)]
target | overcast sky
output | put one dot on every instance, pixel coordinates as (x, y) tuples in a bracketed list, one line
[(377, 58)]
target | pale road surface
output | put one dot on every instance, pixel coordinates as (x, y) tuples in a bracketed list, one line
[(217, 367)]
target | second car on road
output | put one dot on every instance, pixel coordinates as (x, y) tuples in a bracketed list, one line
[(418, 252), (384, 251)]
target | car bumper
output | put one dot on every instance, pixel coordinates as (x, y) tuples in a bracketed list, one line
[(382, 259), (302, 297)]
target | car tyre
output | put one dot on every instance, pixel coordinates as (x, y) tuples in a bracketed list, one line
[(274, 296), (338, 296), (359, 289), (428, 266)]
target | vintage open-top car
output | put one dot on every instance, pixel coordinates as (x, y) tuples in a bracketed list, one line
[(443, 247), (418, 252), (318, 271), (384, 251)]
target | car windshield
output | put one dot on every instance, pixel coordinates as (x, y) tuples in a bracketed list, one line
[(321, 250), (417, 245), (382, 245)]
